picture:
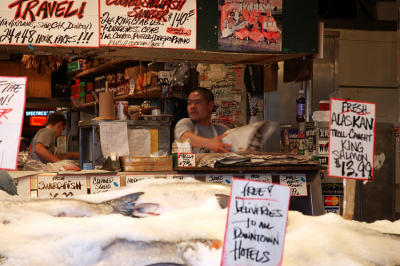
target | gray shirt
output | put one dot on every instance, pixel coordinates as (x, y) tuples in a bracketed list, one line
[(47, 138), (187, 125)]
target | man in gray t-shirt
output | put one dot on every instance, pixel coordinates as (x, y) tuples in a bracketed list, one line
[(203, 135), (44, 142)]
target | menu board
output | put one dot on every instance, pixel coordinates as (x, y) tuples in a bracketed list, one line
[(256, 225), (351, 139), (104, 183), (49, 23), (12, 105), (61, 186), (157, 24)]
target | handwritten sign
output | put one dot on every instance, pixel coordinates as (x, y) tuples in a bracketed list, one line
[(61, 186), (158, 24), (179, 176), (186, 160), (296, 182), (256, 223), (104, 183), (23, 185), (132, 179), (219, 178), (351, 139), (49, 23), (12, 105), (259, 177)]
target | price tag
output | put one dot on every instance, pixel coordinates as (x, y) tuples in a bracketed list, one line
[(179, 176), (296, 182), (103, 183), (351, 139), (256, 223), (61, 186), (259, 177), (132, 179), (186, 160), (222, 178)]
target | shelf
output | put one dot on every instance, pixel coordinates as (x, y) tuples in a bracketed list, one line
[(113, 66)]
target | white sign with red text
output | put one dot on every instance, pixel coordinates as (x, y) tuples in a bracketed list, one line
[(12, 105), (49, 23), (351, 139), (256, 226), (156, 24)]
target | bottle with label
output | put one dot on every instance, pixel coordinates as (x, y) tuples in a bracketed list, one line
[(301, 106)]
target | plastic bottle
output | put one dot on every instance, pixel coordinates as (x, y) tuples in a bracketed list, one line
[(301, 106)]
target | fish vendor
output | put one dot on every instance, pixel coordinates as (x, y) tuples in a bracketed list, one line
[(202, 134), (44, 142)]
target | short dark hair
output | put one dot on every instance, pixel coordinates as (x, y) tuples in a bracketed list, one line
[(55, 118), (207, 94)]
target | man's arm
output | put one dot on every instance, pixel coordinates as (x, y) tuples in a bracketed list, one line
[(214, 144), (44, 153), (69, 155)]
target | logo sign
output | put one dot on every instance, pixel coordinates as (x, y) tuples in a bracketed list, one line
[(157, 24), (103, 183), (351, 139), (296, 182), (259, 177), (132, 179), (61, 186), (331, 200), (256, 224), (222, 178), (186, 160), (12, 105), (49, 23)]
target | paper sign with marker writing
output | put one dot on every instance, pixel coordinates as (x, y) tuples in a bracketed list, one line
[(259, 177), (186, 160), (179, 176), (351, 139), (256, 225), (61, 186), (132, 179), (12, 105), (296, 182), (157, 24), (219, 178), (103, 183), (49, 23)]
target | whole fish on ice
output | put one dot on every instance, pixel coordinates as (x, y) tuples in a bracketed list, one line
[(144, 200)]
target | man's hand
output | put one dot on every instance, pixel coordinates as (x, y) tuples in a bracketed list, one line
[(216, 144)]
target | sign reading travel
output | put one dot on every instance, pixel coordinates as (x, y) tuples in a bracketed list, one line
[(157, 24), (61, 186), (256, 225), (186, 160), (49, 23), (132, 179), (296, 182), (351, 139), (104, 183), (12, 105), (259, 177)]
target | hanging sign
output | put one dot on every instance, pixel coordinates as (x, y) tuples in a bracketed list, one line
[(296, 182), (49, 23), (12, 105), (351, 139), (157, 24), (104, 183), (61, 186), (256, 225)]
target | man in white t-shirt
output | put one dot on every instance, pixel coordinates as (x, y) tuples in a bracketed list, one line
[(202, 134)]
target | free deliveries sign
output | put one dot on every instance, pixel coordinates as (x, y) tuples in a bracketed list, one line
[(351, 139)]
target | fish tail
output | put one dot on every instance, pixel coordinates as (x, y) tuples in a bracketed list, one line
[(124, 205)]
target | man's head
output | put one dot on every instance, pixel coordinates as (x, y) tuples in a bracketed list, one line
[(56, 121), (200, 105)]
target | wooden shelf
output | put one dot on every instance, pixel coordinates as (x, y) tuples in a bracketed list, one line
[(113, 66)]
